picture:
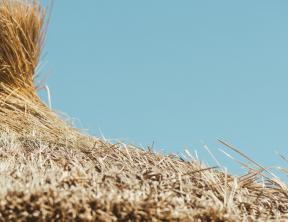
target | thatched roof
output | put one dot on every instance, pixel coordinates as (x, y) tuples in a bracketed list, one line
[(50, 171)]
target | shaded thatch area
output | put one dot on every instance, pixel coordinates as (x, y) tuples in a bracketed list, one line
[(50, 171)]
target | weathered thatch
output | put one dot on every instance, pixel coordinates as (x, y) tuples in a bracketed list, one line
[(49, 171), (117, 182)]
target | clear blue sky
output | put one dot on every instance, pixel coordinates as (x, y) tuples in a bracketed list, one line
[(179, 73)]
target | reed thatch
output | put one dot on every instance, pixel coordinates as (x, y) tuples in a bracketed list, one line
[(50, 171)]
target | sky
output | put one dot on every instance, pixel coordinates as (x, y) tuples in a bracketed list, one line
[(174, 74)]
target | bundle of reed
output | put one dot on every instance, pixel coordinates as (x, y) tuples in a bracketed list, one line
[(23, 26)]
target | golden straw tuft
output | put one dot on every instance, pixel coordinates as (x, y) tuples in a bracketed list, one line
[(21, 38), (22, 32)]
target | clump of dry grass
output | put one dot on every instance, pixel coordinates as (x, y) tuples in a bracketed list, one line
[(22, 32), (21, 38), (49, 171)]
